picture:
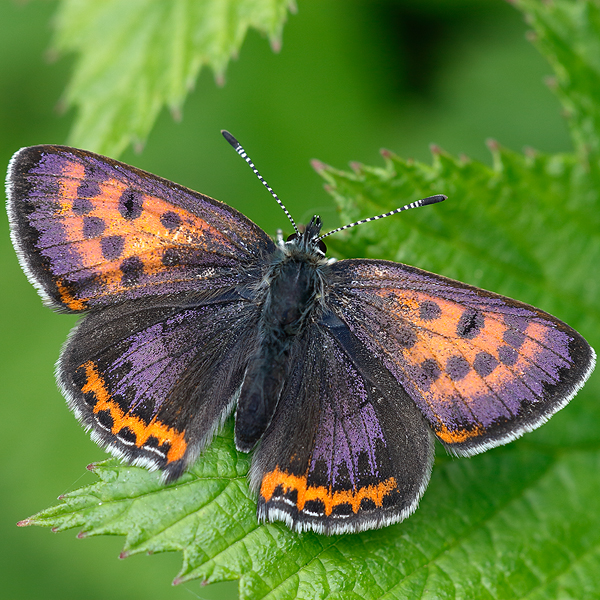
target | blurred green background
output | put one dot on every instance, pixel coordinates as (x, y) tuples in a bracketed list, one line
[(352, 76)]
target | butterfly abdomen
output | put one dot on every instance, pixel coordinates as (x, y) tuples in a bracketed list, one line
[(292, 288)]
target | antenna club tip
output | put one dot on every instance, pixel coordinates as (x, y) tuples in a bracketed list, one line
[(229, 138), (434, 199)]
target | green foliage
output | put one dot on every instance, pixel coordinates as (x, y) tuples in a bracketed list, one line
[(519, 521), (566, 32), (137, 56), (528, 226), (525, 225)]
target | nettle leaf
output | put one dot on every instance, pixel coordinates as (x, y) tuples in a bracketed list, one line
[(507, 524), (567, 33), (137, 56), (526, 227), (519, 521), (523, 228)]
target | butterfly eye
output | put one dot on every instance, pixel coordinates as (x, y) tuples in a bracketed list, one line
[(320, 244)]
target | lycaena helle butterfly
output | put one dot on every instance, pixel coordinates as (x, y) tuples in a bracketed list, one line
[(341, 374)]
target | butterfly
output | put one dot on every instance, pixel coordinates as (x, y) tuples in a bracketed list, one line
[(341, 374)]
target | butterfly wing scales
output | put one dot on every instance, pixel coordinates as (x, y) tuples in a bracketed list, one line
[(154, 382), (90, 231), (482, 368), (346, 450)]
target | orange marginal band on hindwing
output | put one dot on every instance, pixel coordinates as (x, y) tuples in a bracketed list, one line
[(129, 427), (330, 498)]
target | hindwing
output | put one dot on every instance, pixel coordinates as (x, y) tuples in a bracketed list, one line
[(347, 448), (155, 381)]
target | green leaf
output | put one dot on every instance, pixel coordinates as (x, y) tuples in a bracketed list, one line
[(566, 32), (137, 56), (521, 521), (528, 228), (528, 225), (509, 524)]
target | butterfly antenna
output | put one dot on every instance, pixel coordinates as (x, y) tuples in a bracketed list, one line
[(417, 204), (240, 150)]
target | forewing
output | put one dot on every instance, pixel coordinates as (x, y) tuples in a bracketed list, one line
[(347, 449), (90, 231), (154, 382), (482, 368)]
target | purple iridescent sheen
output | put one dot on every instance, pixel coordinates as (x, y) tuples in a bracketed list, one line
[(368, 317)]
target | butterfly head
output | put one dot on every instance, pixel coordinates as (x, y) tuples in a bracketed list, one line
[(308, 241)]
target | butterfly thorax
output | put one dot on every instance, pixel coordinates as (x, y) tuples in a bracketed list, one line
[(291, 296)]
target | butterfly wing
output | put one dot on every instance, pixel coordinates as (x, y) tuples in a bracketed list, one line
[(154, 382), (90, 231), (154, 367), (347, 449), (482, 368)]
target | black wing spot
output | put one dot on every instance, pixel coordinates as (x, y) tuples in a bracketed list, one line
[(508, 355), (170, 257), (406, 337), (93, 227), (367, 504), (88, 189), (431, 370), (112, 246), (513, 338), (391, 500), (90, 399), (342, 510), (484, 364), (292, 495), (130, 204), (132, 269), (470, 324), (105, 419), (315, 507), (457, 367), (82, 206), (127, 435), (170, 220), (429, 310), (121, 400)]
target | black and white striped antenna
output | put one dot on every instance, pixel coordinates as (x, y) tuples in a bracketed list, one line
[(240, 150), (416, 204)]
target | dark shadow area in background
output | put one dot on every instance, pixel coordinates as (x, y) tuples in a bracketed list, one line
[(414, 39)]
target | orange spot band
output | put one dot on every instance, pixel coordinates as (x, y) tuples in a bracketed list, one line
[(68, 299), (459, 435), (95, 383), (330, 498)]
